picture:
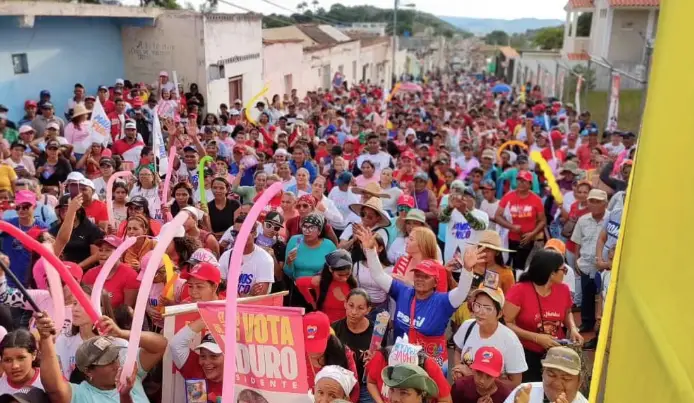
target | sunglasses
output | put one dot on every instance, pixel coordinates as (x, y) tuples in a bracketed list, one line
[(303, 206), (404, 209), (272, 226), (136, 208), (309, 228), (52, 148), (24, 206)]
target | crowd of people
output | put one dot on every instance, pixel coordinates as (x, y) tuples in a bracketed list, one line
[(408, 202)]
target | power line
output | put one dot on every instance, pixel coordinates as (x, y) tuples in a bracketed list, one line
[(287, 21), (316, 16)]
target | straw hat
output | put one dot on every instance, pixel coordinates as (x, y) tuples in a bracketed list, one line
[(79, 110), (491, 240), (372, 189), (373, 203)]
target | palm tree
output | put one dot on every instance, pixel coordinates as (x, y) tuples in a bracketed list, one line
[(315, 4), (301, 6)]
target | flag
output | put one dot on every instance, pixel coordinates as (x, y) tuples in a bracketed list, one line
[(579, 82), (613, 114), (158, 145), (99, 126), (645, 345)]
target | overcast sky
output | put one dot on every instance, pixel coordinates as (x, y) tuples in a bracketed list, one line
[(506, 9)]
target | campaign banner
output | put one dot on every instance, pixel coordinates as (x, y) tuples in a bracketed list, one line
[(158, 145), (270, 357), (613, 114), (176, 317), (99, 126)]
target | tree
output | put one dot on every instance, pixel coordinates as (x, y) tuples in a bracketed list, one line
[(549, 38), (496, 38), (585, 20), (315, 4), (302, 6)]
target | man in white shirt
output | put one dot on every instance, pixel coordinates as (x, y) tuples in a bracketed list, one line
[(465, 222), (561, 379), (325, 205), (257, 268), (380, 159), (341, 196)]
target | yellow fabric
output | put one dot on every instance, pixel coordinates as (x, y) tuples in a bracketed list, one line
[(7, 176), (651, 354)]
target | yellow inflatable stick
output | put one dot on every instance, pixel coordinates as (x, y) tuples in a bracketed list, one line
[(171, 277), (549, 175), (509, 144), (395, 89), (250, 103)]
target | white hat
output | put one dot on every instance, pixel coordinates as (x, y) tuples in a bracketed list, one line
[(234, 112), (281, 151), (410, 131), (130, 125), (238, 101), (163, 73), (53, 125), (340, 375), (227, 129), (120, 81), (87, 182), (75, 176), (196, 212), (25, 129), (210, 344)]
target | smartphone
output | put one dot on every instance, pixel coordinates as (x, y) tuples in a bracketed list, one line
[(73, 189)]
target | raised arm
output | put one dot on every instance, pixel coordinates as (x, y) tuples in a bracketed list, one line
[(52, 379), (368, 244)]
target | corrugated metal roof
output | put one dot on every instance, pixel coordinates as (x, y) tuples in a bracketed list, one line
[(316, 34), (635, 3)]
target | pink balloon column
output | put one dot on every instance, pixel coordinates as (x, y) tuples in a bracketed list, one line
[(109, 193), (106, 270), (233, 285), (56, 288)]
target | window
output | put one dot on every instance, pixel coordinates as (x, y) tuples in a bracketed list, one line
[(215, 71), (20, 63)]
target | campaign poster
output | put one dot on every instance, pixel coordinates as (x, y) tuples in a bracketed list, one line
[(270, 358)]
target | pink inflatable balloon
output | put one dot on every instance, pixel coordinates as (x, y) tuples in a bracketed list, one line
[(56, 289), (109, 193), (3, 332), (70, 281), (233, 285), (150, 270), (167, 180), (106, 269)]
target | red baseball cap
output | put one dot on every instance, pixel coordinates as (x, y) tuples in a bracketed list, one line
[(316, 332), (525, 175), (204, 271), (406, 200), (29, 103), (488, 360), (74, 269), (407, 154), (111, 240), (556, 135), (430, 267)]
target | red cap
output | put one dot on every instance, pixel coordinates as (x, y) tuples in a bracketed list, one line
[(488, 360), (111, 240), (29, 103), (74, 269), (408, 154), (556, 135), (316, 332), (525, 175), (35, 232), (430, 267), (406, 200), (137, 102), (204, 271)]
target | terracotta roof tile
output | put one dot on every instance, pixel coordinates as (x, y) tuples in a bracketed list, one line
[(509, 52), (578, 56), (581, 4), (316, 34), (635, 3)]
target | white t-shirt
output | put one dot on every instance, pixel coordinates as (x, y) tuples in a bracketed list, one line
[(35, 382), (363, 275), (503, 340), (391, 205), (153, 200), (256, 267), (66, 347), (100, 187), (614, 150), (342, 200), (459, 234), (537, 394), (490, 209), (381, 160)]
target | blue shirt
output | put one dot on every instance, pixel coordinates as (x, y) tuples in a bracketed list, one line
[(41, 213), (312, 172), (248, 174), (309, 261), (612, 225), (20, 257), (431, 315)]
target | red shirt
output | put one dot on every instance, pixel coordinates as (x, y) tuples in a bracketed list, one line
[(96, 211), (405, 178), (192, 370), (120, 147), (584, 153), (116, 124), (123, 278), (547, 154), (378, 362), (555, 306), (575, 213), (465, 391), (512, 123), (109, 106), (524, 211)]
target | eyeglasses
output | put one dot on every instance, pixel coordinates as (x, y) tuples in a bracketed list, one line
[(136, 208), (404, 209), (52, 148), (269, 225), (309, 228), (303, 206), (24, 206), (477, 307)]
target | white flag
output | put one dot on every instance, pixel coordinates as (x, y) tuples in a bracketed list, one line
[(613, 114), (158, 145), (99, 127)]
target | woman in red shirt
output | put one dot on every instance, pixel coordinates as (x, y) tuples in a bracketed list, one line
[(332, 286), (569, 219), (538, 310), (121, 283)]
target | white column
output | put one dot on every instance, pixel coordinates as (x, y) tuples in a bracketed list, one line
[(607, 35), (651, 24), (567, 28)]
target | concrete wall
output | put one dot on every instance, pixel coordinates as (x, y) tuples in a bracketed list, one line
[(377, 60), (61, 51), (280, 60), (290, 32), (236, 42), (175, 43), (316, 62), (627, 43)]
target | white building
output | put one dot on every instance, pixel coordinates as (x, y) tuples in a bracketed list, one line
[(283, 66), (368, 28), (222, 53)]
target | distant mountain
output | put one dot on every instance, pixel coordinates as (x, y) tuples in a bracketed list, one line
[(483, 26)]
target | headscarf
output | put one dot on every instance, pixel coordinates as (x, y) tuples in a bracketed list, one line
[(314, 219), (340, 375), (308, 199)]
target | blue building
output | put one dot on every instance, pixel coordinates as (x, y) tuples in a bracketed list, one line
[(53, 45)]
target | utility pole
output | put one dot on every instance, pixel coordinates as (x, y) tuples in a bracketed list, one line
[(395, 39), (646, 77)]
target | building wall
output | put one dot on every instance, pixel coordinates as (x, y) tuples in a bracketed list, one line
[(281, 60), (173, 44), (377, 58), (234, 41), (627, 43), (61, 52), (318, 63)]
